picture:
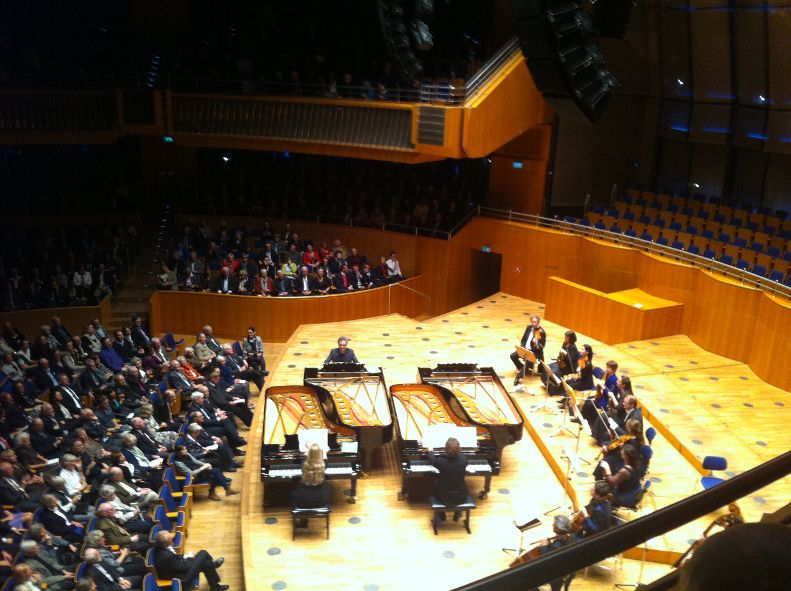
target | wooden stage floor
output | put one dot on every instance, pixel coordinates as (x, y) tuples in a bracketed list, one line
[(714, 405)]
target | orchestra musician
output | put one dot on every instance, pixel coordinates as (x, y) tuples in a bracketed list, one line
[(450, 486), (625, 483), (599, 510), (534, 338), (581, 379), (584, 378), (342, 353), (564, 535), (568, 359), (612, 451)]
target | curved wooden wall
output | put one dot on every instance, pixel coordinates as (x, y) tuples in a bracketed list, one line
[(74, 318), (276, 318), (720, 315)]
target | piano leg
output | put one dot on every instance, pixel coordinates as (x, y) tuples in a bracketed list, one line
[(353, 496), (487, 486), (402, 494)]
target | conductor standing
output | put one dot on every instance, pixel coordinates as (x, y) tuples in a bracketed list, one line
[(342, 353), (450, 487)]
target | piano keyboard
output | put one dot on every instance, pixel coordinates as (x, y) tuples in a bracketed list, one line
[(473, 467)]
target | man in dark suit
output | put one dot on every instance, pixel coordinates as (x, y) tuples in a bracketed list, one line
[(215, 418), (342, 280), (211, 340), (186, 567), (139, 333), (13, 492), (105, 573), (342, 353), (534, 338), (630, 411), (44, 443), (60, 332), (227, 398), (43, 377), (52, 572), (124, 347), (305, 282), (450, 487)]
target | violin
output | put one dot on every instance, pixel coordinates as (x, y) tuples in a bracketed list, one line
[(563, 360), (615, 444)]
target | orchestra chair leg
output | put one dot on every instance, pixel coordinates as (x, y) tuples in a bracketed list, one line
[(437, 507), (299, 513)]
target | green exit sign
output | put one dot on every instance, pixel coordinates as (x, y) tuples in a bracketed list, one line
[(486, 248)]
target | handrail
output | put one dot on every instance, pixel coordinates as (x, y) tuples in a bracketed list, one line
[(573, 557), (774, 288), (420, 293), (291, 216), (482, 76), (424, 92)]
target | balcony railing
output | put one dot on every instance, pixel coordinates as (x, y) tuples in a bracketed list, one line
[(740, 275)]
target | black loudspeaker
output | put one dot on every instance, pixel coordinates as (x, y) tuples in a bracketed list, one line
[(564, 61), (611, 17)]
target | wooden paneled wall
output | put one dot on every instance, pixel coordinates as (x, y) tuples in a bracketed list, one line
[(719, 315), (275, 318), (29, 322)]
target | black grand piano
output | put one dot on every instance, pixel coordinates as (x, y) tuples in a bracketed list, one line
[(357, 399), (420, 407), (288, 410), (463, 395)]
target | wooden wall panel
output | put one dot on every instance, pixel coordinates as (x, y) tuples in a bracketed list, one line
[(720, 316), (723, 317), (274, 318), (29, 322), (711, 55), (770, 341), (616, 271), (578, 306)]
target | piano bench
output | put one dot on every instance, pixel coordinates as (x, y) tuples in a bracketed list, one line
[(438, 507), (299, 513)]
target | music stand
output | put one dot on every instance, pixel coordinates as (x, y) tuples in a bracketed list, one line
[(571, 405), (522, 526), (563, 427), (550, 376), (526, 355)]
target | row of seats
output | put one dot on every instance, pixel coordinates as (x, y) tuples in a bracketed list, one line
[(757, 261)]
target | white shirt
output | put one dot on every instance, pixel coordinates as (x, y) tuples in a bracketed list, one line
[(393, 267), (73, 481)]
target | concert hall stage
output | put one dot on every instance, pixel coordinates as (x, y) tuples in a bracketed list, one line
[(700, 399)]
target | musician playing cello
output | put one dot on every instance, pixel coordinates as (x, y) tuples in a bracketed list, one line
[(534, 338)]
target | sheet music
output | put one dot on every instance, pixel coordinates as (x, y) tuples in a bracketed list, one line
[(349, 447), (307, 437), (435, 436)]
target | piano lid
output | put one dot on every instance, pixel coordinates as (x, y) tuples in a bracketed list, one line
[(419, 406), (289, 409), (360, 398), (342, 367), (479, 392)]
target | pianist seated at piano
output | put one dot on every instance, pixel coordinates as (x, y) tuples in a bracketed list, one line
[(313, 490), (342, 353), (450, 487)]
